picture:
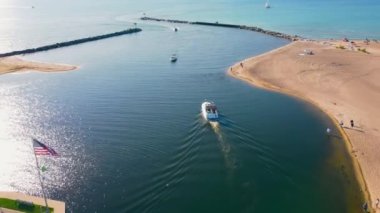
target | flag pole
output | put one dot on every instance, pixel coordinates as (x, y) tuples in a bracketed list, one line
[(42, 185)]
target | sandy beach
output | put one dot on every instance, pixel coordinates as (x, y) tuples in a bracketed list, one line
[(340, 77), (16, 64)]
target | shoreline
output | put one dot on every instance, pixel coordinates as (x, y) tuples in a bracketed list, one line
[(17, 64), (274, 82), (348, 144), (58, 206)]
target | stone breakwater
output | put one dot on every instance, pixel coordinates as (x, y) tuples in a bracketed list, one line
[(217, 24), (69, 43)]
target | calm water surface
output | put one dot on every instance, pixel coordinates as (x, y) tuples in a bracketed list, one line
[(127, 125), (52, 21)]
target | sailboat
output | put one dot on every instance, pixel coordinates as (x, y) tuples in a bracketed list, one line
[(267, 4)]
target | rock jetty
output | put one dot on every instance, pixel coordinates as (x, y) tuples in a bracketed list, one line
[(69, 43), (217, 24)]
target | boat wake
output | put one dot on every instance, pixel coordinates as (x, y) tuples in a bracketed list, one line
[(192, 150), (167, 179), (225, 147)]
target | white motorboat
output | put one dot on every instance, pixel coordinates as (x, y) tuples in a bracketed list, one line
[(173, 58), (209, 111)]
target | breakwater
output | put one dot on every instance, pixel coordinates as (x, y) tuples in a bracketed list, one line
[(217, 24), (69, 43)]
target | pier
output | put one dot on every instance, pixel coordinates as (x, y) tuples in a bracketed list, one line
[(217, 24), (69, 43)]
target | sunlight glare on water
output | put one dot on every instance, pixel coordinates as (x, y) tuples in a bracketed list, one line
[(128, 131), (17, 149), (23, 117)]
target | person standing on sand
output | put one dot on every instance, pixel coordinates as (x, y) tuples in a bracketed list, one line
[(241, 64), (352, 123), (377, 202)]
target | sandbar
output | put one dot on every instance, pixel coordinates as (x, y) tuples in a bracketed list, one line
[(17, 64), (340, 77)]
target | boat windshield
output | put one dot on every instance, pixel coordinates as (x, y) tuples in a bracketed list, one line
[(211, 108)]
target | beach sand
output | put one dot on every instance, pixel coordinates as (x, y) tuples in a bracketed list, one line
[(341, 79), (16, 64)]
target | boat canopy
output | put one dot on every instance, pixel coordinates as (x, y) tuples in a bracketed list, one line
[(211, 108)]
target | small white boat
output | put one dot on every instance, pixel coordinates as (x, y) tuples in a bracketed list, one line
[(209, 111), (173, 58), (267, 5)]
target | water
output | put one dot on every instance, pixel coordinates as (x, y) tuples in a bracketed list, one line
[(127, 123), (128, 127), (49, 21)]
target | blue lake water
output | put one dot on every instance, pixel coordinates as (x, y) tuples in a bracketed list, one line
[(49, 21), (128, 128), (127, 123)]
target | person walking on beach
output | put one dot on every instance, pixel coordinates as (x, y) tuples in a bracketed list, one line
[(377, 202), (352, 123), (241, 64)]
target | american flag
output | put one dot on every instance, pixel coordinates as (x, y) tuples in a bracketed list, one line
[(42, 149)]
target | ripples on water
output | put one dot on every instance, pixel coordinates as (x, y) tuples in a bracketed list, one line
[(228, 137), (25, 116), (128, 128)]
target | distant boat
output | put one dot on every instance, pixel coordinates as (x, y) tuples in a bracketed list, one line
[(173, 58), (209, 111), (267, 5)]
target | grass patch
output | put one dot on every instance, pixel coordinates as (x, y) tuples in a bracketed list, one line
[(363, 50), (340, 47), (12, 204)]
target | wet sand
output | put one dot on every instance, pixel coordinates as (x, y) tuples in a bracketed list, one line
[(341, 78), (16, 64)]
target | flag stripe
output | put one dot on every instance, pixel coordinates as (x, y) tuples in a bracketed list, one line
[(42, 149)]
